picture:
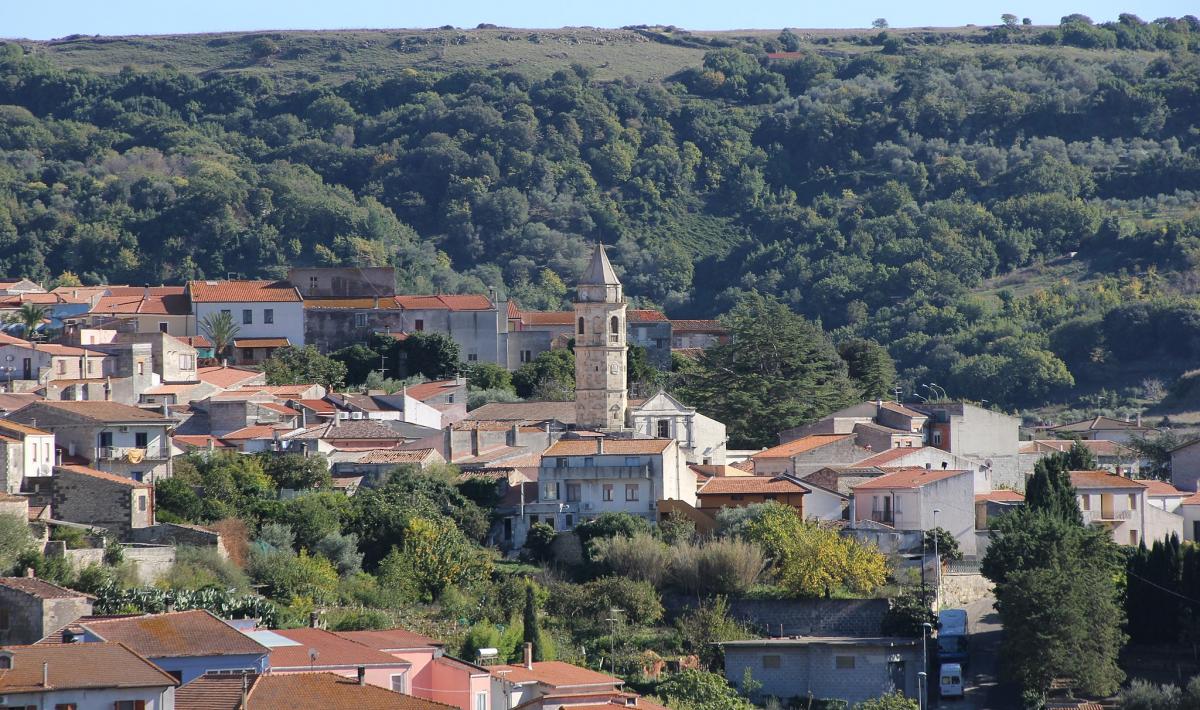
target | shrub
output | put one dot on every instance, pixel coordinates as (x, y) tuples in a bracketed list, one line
[(198, 567), (701, 628), (1143, 695), (721, 566), (639, 600), (359, 620), (15, 539), (642, 557)]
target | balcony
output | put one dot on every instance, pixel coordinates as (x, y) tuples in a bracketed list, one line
[(883, 516), (133, 454), (1107, 516), (595, 472)]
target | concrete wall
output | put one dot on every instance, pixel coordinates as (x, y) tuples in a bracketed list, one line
[(335, 328), (172, 534), (984, 435), (838, 453), (1191, 522), (1161, 524), (288, 319), (482, 334), (151, 562), (655, 337), (343, 282), (820, 504), (813, 670), (1185, 467), (154, 698)]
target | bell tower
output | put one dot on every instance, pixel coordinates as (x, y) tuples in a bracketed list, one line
[(600, 379)]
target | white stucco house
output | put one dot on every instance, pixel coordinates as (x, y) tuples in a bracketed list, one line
[(701, 439), (268, 314)]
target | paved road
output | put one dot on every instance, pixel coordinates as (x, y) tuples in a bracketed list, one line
[(983, 692)]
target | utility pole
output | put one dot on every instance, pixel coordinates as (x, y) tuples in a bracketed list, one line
[(612, 637)]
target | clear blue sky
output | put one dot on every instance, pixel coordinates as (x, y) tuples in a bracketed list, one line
[(46, 19)]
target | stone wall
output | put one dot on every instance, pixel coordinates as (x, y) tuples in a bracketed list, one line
[(151, 562), (959, 590), (172, 534), (812, 617)]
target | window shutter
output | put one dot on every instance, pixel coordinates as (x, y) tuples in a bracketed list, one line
[(139, 705)]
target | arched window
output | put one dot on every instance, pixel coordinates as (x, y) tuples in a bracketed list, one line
[(615, 324), (581, 325)]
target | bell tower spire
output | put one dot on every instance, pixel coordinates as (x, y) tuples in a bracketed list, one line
[(600, 379)]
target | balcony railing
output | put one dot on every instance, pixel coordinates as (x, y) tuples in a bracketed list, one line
[(592, 472), (133, 454), (1099, 516)]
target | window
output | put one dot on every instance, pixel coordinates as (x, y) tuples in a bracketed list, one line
[(129, 705), (550, 490), (1133, 537), (1085, 501), (247, 354), (268, 315), (400, 682), (1133, 501), (360, 320), (843, 663), (937, 438), (65, 706), (560, 462), (570, 521), (3, 626), (472, 357), (771, 661), (737, 496), (580, 326), (142, 503), (247, 316), (141, 367), (162, 326), (631, 491), (615, 324), (573, 492), (419, 325), (141, 439), (226, 312), (481, 701), (589, 461), (314, 283), (607, 492), (62, 367), (632, 461), (664, 428), (187, 362), (526, 356)]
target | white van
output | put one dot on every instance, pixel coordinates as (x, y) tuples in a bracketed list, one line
[(951, 685)]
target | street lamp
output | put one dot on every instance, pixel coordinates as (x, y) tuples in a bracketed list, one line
[(926, 629), (921, 683)]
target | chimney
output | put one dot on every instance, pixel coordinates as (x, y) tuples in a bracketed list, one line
[(58, 457), (377, 303), (245, 689), (600, 444), (512, 434), (314, 619), (362, 675), (45, 674), (528, 656), (474, 441)]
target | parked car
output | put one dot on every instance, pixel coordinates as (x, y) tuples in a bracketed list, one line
[(951, 683)]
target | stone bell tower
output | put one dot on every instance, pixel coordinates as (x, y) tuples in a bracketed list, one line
[(600, 378)]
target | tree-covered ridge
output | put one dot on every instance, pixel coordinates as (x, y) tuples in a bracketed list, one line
[(879, 189)]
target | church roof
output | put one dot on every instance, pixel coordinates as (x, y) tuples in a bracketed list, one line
[(600, 271)]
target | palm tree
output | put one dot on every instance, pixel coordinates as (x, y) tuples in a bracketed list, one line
[(30, 316), (220, 329)]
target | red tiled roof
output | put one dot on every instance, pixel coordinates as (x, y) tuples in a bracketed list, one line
[(332, 650), (242, 292), (10, 425), (199, 441), (196, 341), (285, 390), (40, 588), (261, 342), (173, 303), (644, 315), (390, 639), (294, 691), (428, 390), (104, 476), (901, 409), (591, 447), (78, 666), (556, 674), (96, 411), (1000, 495), (883, 458), (317, 405), (699, 326), (1103, 479), (726, 485), (513, 311), (907, 478), (1161, 488), (176, 635), (1193, 499), (279, 408), (225, 376), (469, 302), (799, 446), (389, 456), (255, 431)]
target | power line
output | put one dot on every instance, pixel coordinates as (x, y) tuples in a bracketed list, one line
[(1160, 587)]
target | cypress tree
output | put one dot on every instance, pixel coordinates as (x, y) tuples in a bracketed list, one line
[(1050, 490), (533, 629)]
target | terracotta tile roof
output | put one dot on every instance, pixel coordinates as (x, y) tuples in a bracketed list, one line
[(199, 441), (319, 406), (698, 326), (285, 390), (388, 456), (901, 409), (176, 635), (799, 446), (428, 390), (513, 311), (907, 478), (52, 349), (1193, 499), (391, 639), (242, 292), (196, 341), (40, 588), (294, 691), (352, 429), (726, 485), (255, 431), (79, 666), (548, 317), (643, 315), (469, 302), (279, 408), (173, 303), (1103, 479), (1097, 423), (883, 458), (1000, 496), (383, 303), (746, 465), (213, 691), (556, 674), (591, 447), (176, 389), (332, 650), (1160, 488), (261, 342), (95, 411), (18, 427), (12, 401), (225, 376), (103, 476)]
